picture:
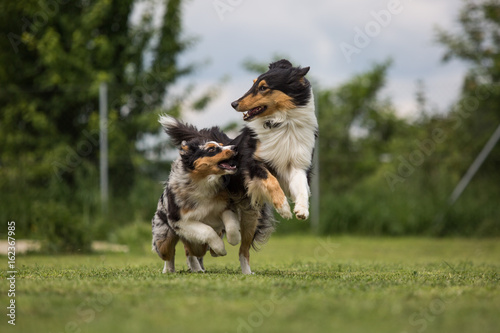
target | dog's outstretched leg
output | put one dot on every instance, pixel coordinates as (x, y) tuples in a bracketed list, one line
[(232, 226), (199, 233), (299, 190), (268, 189)]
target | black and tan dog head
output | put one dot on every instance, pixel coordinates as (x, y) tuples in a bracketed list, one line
[(283, 87), (202, 159)]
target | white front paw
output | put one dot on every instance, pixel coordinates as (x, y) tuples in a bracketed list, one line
[(233, 236), (217, 246), (301, 211), (284, 210)]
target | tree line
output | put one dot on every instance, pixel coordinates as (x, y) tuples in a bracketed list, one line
[(379, 173)]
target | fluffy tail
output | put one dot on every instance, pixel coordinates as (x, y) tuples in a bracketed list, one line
[(265, 227), (179, 131)]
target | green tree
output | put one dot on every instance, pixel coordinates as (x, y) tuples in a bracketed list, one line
[(395, 176), (355, 128), (359, 137), (54, 56), (477, 113)]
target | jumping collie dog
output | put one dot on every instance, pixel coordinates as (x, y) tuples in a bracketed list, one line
[(197, 207), (282, 128)]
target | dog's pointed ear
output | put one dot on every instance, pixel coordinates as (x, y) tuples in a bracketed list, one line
[(283, 63), (184, 148), (304, 71)]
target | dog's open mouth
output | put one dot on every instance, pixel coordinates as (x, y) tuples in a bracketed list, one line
[(228, 165), (253, 112)]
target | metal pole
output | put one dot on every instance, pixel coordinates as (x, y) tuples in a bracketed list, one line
[(315, 182), (474, 167), (103, 144)]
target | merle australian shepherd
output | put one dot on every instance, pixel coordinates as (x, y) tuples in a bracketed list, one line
[(193, 203), (275, 150), (200, 203)]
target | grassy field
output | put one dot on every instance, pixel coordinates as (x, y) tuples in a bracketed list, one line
[(301, 284)]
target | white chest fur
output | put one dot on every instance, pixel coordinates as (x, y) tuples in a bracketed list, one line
[(290, 145), (200, 200)]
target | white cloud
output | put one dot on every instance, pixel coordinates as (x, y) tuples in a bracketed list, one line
[(310, 33), (220, 112)]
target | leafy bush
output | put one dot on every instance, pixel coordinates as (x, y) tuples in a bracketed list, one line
[(60, 228), (137, 236)]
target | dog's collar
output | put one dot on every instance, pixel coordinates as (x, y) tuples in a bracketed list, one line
[(269, 124)]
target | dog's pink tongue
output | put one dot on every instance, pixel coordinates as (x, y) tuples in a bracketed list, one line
[(227, 166)]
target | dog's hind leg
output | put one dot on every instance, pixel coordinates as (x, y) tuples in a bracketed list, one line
[(200, 260), (194, 264), (249, 221), (194, 256), (267, 188), (166, 251), (164, 238)]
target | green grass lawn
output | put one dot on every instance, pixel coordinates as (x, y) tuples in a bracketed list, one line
[(301, 284)]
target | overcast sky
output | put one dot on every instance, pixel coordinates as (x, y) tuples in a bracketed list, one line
[(337, 39)]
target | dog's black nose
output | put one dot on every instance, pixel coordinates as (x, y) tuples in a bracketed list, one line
[(234, 104)]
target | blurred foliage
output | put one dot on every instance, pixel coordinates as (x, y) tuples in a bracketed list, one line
[(379, 173), (137, 236), (54, 58), (382, 174)]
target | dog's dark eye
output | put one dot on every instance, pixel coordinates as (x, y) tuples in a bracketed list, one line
[(211, 149), (262, 88)]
